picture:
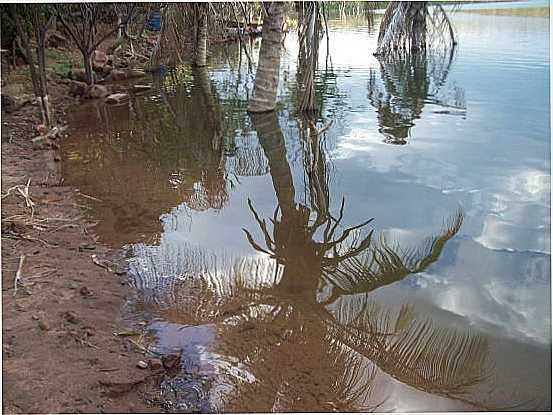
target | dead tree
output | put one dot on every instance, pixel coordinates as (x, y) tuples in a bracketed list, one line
[(81, 21)]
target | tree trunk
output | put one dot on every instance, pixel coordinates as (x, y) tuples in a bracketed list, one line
[(41, 28), (87, 56), (310, 51), (45, 102), (266, 77), (200, 47)]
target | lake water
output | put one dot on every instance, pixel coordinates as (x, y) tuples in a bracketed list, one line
[(250, 241)]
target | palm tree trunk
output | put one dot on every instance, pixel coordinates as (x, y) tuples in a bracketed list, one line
[(266, 77)]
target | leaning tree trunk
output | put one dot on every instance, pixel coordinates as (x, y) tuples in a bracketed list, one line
[(266, 77)]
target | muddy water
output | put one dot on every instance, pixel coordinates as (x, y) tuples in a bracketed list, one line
[(392, 254)]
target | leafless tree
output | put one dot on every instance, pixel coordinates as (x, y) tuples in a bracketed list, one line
[(81, 22)]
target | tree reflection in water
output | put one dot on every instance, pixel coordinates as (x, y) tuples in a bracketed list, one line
[(406, 83), (300, 319)]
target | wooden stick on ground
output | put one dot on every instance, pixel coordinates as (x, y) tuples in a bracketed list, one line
[(18, 278)]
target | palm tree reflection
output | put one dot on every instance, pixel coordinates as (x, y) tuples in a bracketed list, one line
[(301, 319), (433, 359), (406, 83)]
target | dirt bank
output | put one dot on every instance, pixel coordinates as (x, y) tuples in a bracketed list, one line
[(60, 353)]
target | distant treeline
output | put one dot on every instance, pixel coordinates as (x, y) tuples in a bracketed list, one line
[(349, 8)]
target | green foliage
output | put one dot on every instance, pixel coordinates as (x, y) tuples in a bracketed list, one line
[(60, 62)]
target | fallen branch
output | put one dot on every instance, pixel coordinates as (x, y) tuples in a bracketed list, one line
[(101, 263), (144, 349), (89, 197), (23, 190)]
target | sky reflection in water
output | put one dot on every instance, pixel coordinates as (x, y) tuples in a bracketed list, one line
[(412, 142)]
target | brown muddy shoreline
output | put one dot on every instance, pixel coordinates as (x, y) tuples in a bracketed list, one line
[(60, 353)]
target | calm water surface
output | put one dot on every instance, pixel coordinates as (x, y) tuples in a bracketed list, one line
[(394, 254)]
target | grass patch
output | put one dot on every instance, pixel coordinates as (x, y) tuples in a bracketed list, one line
[(60, 61)]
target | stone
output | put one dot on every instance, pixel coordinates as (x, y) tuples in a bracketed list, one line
[(97, 68), (86, 247), (85, 292), (77, 88), (97, 92), (43, 325), (117, 98), (142, 364), (135, 73), (99, 60), (155, 364), (41, 129), (56, 40), (107, 70), (78, 74), (71, 317), (140, 88), (116, 75), (118, 385), (171, 361), (89, 331)]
